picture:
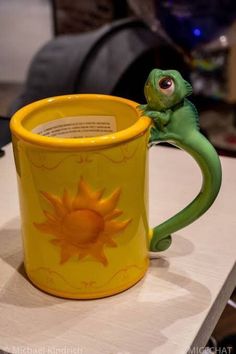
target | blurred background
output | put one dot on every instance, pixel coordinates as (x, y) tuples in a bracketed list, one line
[(54, 47), (51, 47)]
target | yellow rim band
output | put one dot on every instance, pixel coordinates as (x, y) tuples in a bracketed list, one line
[(138, 128)]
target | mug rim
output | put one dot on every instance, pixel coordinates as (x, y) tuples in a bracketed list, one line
[(130, 133)]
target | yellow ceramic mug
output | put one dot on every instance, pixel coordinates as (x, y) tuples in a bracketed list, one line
[(81, 163)]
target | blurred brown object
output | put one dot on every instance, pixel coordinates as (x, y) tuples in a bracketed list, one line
[(231, 69), (231, 97), (83, 16), (227, 323)]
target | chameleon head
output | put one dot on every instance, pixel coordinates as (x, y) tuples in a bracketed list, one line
[(165, 88)]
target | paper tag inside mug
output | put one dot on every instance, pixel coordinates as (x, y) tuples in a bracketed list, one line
[(77, 127)]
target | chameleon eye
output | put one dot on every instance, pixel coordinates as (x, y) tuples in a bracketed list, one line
[(166, 85)]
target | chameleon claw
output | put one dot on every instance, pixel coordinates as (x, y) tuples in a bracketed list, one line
[(142, 107)]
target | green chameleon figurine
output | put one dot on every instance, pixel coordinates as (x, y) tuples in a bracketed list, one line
[(171, 112), (175, 120)]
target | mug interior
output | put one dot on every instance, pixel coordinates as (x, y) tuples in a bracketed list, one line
[(80, 117)]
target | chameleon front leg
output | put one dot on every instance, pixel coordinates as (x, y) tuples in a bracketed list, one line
[(160, 119), (161, 129)]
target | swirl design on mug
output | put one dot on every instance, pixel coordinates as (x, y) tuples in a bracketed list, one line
[(42, 161), (53, 278), (125, 154), (83, 225)]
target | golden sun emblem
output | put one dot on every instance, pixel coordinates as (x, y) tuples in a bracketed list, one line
[(83, 225)]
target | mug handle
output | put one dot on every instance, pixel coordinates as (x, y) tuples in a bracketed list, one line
[(207, 159)]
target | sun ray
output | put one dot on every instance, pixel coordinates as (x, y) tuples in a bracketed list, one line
[(113, 226), (83, 226), (56, 203), (66, 200), (85, 197), (45, 227), (51, 217), (114, 214), (110, 242), (99, 254), (106, 206), (65, 255), (85, 190), (48, 227)]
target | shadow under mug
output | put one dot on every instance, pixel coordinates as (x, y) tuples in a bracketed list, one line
[(81, 163)]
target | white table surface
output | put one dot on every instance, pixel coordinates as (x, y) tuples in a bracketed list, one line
[(174, 308)]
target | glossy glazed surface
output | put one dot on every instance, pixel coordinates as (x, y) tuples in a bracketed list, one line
[(83, 210)]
